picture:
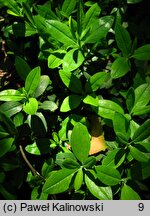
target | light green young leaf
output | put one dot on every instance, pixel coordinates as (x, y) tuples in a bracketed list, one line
[(32, 81), (11, 95), (72, 60), (31, 106), (142, 53), (58, 181), (80, 142), (92, 100), (120, 67), (127, 193), (70, 102), (56, 58)]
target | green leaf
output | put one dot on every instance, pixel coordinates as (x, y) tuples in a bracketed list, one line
[(56, 28), (43, 84), (33, 149), (80, 142), (22, 67), (127, 193), (72, 60), (9, 125), (120, 67), (142, 132), (56, 58), (5, 145), (69, 163), (70, 102), (89, 162), (38, 119), (91, 99), (91, 15), (11, 95), (142, 110), (114, 158), (139, 155), (140, 171), (48, 105), (58, 181), (133, 1), (31, 106), (108, 108), (18, 119), (80, 17), (10, 108), (142, 98), (32, 81), (68, 6), (96, 81), (99, 29), (123, 39), (78, 180), (102, 193), (13, 6), (142, 53), (130, 99), (71, 81), (108, 175)]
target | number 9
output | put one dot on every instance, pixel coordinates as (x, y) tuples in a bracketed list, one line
[(141, 206)]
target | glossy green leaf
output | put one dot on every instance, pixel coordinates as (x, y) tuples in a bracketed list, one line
[(18, 119), (130, 99), (48, 105), (108, 108), (58, 181), (43, 84), (8, 123), (102, 193), (71, 81), (78, 180), (142, 53), (5, 145), (32, 81), (68, 6), (91, 15), (108, 175), (55, 59), (120, 67), (139, 155), (123, 39), (96, 81), (11, 95), (140, 171), (142, 110), (127, 193), (22, 67), (142, 98), (142, 132), (89, 162), (10, 108), (70, 102), (91, 99), (100, 29), (69, 163), (72, 60), (114, 158), (80, 142), (33, 149), (13, 6), (31, 106)]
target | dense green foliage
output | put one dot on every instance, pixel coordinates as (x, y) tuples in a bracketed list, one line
[(62, 62)]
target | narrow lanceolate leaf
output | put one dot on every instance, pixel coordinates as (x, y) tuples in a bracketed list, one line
[(58, 181), (68, 6), (120, 67), (123, 39), (32, 80), (80, 142), (142, 53), (71, 81), (99, 29), (108, 175), (91, 15), (142, 132), (102, 193), (142, 98), (127, 193), (70, 102), (11, 95), (139, 155), (108, 108)]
